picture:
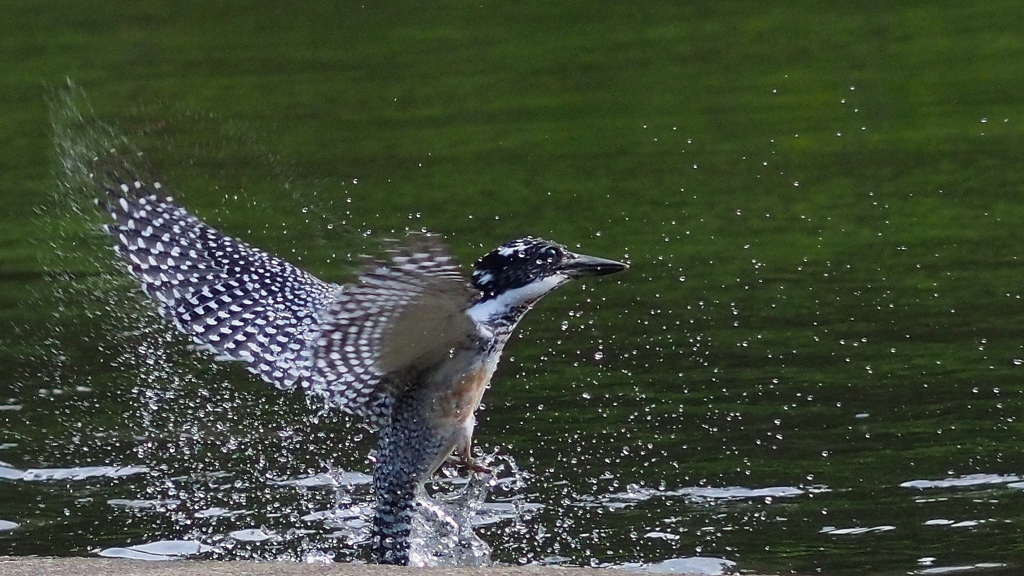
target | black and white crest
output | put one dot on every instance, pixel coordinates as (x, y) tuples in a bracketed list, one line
[(516, 275), (516, 264)]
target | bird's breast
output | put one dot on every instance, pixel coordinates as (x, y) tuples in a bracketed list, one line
[(454, 388), (459, 401)]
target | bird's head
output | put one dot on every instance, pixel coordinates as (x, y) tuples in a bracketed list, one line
[(522, 271)]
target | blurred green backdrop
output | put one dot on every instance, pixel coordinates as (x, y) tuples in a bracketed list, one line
[(822, 204)]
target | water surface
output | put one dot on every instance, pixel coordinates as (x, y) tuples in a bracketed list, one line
[(813, 363)]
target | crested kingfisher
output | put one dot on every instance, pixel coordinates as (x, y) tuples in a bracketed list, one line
[(410, 347)]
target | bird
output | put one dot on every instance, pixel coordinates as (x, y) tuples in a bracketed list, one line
[(410, 346)]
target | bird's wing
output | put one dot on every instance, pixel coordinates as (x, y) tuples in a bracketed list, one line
[(404, 315), (346, 343), (236, 300)]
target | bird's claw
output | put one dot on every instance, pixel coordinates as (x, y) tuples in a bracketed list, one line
[(469, 463)]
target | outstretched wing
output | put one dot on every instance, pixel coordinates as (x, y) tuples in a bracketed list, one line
[(403, 316), (231, 298)]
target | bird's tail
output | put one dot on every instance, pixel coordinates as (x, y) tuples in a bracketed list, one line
[(396, 482), (392, 520), (406, 448)]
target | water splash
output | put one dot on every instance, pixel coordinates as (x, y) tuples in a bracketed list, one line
[(213, 457), (443, 530), (442, 533)]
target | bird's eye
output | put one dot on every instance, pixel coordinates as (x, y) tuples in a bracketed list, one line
[(552, 254)]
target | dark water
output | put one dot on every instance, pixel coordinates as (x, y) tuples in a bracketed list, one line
[(814, 363)]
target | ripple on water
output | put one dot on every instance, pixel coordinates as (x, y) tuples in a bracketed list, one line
[(77, 473), (833, 531), (635, 494), (963, 568), (138, 504), (216, 511), (159, 550), (692, 565), (251, 535), (328, 480), (337, 517), (965, 481), (9, 473), (953, 523)]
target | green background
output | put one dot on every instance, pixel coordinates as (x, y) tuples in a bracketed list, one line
[(821, 204)]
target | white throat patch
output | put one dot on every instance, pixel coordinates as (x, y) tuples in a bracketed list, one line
[(523, 296)]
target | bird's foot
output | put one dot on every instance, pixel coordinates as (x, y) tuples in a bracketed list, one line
[(475, 466), (469, 464)]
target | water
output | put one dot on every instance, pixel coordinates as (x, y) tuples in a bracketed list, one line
[(813, 363)]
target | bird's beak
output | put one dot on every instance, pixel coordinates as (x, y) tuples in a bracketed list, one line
[(580, 265)]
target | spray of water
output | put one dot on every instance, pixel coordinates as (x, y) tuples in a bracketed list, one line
[(222, 466)]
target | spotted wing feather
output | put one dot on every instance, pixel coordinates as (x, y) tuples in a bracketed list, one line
[(236, 300), (402, 316)]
